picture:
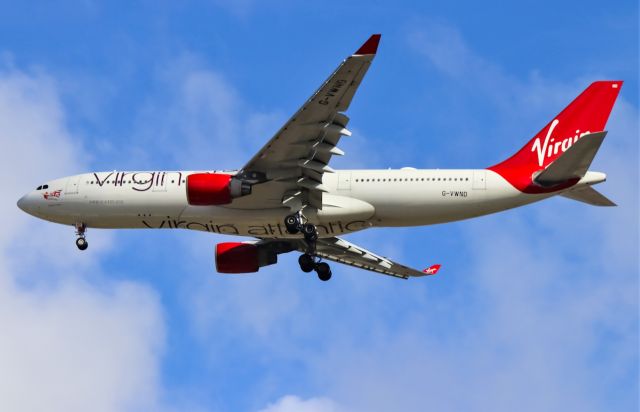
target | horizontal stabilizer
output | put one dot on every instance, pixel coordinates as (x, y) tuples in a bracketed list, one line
[(589, 195), (573, 163)]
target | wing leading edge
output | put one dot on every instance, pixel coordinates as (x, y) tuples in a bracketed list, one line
[(295, 159)]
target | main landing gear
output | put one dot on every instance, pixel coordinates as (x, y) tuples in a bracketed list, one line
[(81, 241), (294, 225), (308, 261)]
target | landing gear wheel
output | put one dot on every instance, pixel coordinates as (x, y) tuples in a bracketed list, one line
[(82, 243), (306, 263), (292, 223), (324, 271), (310, 233)]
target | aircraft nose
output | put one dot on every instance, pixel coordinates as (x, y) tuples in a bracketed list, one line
[(26, 204), (22, 203)]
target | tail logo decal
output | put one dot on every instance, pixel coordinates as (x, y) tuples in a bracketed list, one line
[(431, 270), (550, 147)]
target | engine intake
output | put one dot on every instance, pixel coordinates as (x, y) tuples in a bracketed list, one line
[(237, 257), (210, 189)]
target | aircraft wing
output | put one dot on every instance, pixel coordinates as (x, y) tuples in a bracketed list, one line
[(295, 159), (341, 251)]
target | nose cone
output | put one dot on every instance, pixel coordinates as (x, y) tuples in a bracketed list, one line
[(22, 203), (27, 203)]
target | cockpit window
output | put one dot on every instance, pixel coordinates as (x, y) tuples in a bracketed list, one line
[(39, 188), (45, 186)]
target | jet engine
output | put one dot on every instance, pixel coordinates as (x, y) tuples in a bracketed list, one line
[(210, 189), (236, 257)]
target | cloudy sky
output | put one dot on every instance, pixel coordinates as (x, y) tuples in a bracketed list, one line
[(534, 309)]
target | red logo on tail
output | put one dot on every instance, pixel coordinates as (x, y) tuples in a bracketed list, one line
[(432, 270), (587, 113)]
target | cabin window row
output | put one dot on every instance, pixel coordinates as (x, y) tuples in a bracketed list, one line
[(421, 179)]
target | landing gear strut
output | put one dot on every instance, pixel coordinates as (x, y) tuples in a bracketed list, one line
[(81, 241)]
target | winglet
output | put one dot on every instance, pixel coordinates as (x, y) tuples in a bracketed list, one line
[(432, 270), (370, 46)]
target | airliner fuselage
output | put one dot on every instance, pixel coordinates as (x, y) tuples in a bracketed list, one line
[(356, 200)]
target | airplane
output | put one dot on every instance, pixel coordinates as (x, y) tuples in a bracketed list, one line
[(288, 198)]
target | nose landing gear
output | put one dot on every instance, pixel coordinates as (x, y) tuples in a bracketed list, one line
[(81, 241)]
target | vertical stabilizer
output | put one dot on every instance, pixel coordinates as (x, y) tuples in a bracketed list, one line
[(587, 114)]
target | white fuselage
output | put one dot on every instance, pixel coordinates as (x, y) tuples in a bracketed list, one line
[(355, 200)]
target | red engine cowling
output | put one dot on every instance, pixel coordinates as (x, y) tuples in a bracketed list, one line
[(208, 189), (236, 257)]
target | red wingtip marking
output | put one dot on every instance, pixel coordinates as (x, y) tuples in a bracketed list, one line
[(432, 270), (370, 46)]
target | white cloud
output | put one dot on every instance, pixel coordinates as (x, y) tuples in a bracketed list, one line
[(292, 403), (71, 338)]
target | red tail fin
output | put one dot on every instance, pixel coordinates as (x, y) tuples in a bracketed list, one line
[(588, 113)]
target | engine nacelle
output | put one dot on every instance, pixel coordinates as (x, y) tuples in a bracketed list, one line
[(237, 257), (210, 189)]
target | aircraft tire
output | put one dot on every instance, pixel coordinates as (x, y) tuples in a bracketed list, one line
[(292, 224), (310, 232), (306, 263), (82, 243), (324, 271)]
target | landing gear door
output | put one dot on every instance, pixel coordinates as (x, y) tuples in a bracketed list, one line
[(479, 179), (344, 181), (73, 185)]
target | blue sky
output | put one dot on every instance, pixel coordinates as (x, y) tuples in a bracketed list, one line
[(534, 309)]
